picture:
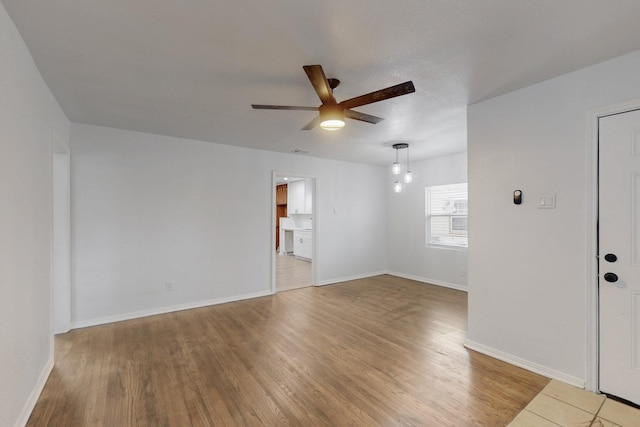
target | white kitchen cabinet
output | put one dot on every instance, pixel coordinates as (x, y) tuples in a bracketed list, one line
[(300, 197), (303, 244), (308, 197)]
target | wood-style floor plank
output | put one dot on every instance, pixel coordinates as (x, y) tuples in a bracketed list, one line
[(292, 273), (378, 351)]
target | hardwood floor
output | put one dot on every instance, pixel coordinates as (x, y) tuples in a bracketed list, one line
[(292, 273), (379, 351)]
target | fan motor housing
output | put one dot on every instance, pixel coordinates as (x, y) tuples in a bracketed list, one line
[(331, 111)]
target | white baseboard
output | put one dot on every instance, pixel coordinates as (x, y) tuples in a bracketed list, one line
[(164, 310), (346, 279), (525, 364), (429, 281), (198, 304), (35, 393)]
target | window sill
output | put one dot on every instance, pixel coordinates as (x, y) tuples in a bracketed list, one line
[(447, 247)]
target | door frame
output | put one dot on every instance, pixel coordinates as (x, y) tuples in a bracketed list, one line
[(314, 233), (60, 272), (592, 373)]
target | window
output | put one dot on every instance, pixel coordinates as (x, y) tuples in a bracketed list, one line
[(446, 210)]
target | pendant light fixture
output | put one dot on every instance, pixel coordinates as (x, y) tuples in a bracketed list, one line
[(397, 167), (408, 176)]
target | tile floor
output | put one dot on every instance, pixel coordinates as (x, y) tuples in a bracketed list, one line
[(560, 404)]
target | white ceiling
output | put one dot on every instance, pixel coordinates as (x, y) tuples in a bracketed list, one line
[(192, 68)]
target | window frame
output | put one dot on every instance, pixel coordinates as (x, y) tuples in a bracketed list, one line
[(460, 239)]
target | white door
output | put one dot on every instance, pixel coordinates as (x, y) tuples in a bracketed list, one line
[(619, 255)]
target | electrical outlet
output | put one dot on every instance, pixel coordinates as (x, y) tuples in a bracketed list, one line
[(168, 286)]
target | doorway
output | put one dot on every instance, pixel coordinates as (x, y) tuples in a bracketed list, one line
[(619, 254), (294, 241)]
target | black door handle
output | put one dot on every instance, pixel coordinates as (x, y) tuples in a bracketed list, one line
[(610, 258), (611, 277)]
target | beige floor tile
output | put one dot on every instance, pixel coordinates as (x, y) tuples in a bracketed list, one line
[(529, 419), (559, 412), (575, 396), (620, 413), (601, 422)]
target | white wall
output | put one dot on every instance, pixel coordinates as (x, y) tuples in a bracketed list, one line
[(408, 256), (61, 221), (28, 115), (528, 267), (151, 209)]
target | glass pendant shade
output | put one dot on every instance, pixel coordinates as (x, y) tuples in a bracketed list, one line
[(395, 168), (397, 187), (408, 177)]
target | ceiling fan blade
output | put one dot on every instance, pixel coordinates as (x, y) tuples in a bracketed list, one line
[(282, 107), (313, 123), (380, 95), (355, 115), (320, 83)]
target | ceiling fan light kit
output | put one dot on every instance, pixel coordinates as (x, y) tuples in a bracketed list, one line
[(332, 113), (331, 117)]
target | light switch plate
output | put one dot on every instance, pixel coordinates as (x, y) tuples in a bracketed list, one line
[(547, 201)]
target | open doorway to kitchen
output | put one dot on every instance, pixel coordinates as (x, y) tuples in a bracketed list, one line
[(294, 239)]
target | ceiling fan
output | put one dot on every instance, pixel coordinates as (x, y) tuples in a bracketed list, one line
[(333, 113)]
